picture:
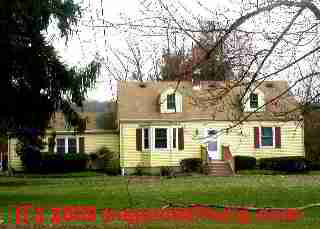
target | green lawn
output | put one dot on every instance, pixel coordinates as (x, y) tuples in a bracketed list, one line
[(123, 192)]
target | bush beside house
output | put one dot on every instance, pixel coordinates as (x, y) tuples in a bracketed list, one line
[(244, 163), (106, 160), (284, 164)]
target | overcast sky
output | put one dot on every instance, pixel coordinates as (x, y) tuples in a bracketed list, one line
[(81, 49)]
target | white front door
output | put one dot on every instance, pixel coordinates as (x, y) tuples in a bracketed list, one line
[(213, 145)]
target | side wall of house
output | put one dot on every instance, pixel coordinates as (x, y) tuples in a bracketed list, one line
[(240, 139), (93, 142)]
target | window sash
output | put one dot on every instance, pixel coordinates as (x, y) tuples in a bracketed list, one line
[(67, 144), (146, 142), (267, 136), (72, 145), (61, 145), (254, 100), (171, 102), (161, 138)]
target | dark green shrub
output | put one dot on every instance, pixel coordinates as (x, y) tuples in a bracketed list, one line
[(30, 143), (191, 165), (52, 163), (111, 161), (138, 171), (286, 164), (31, 159), (166, 171), (244, 163), (93, 156), (105, 153), (75, 161), (113, 167), (63, 163), (313, 165)]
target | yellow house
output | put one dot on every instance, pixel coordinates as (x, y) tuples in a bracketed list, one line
[(161, 123), (98, 134)]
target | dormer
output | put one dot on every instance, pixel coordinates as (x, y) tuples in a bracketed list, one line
[(170, 101), (253, 100)]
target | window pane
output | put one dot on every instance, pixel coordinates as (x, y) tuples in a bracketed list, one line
[(253, 100), (267, 131), (267, 141), (174, 138), (267, 136), (72, 145), (61, 146), (160, 138), (146, 138), (171, 101)]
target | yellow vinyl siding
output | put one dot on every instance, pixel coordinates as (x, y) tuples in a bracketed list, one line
[(93, 142), (240, 140), (14, 159)]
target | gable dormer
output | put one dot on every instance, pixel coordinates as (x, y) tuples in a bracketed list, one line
[(253, 100), (170, 101)]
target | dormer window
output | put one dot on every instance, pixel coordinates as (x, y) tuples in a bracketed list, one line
[(171, 101), (254, 103)]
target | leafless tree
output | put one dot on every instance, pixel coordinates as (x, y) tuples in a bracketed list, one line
[(260, 39)]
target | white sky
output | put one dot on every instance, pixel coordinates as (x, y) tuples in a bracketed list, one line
[(79, 53), (82, 48)]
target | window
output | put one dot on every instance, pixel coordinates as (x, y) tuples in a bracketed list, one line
[(254, 100), (69, 144), (72, 145), (146, 138), (61, 146), (160, 141), (174, 138), (266, 136), (67, 124), (171, 102)]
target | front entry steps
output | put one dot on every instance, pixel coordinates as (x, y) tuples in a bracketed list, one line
[(219, 168)]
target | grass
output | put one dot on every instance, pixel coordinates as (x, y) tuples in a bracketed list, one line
[(124, 192)]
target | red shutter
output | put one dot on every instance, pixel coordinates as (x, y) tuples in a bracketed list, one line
[(256, 137), (139, 139), (180, 139), (278, 137)]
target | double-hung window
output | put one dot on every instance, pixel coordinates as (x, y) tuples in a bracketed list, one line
[(161, 138), (69, 144), (267, 136), (171, 102), (72, 145), (61, 145), (254, 100)]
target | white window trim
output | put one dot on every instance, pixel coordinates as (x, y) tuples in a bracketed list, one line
[(149, 138), (178, 101), (152, 139), (261, 101), (273, 138), (66, 142), (171, 137)]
